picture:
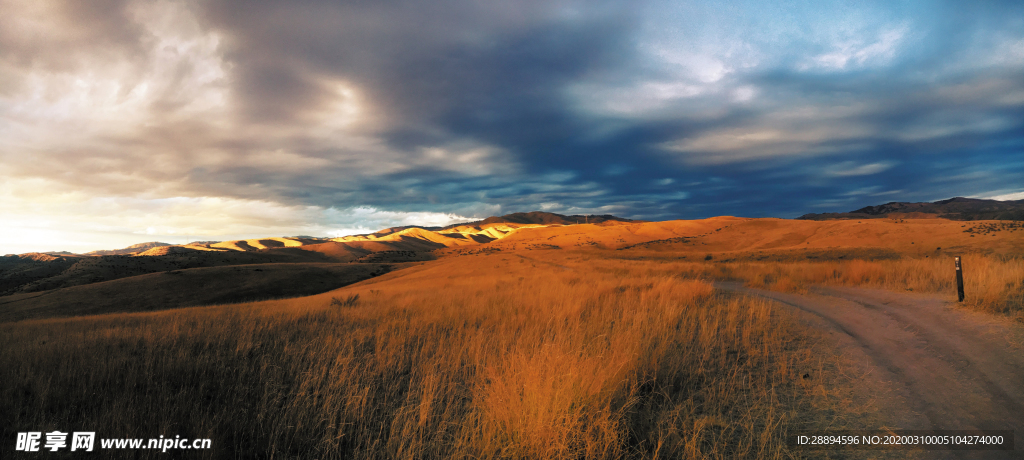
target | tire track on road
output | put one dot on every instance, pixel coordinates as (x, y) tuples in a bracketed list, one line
[(947, 369)]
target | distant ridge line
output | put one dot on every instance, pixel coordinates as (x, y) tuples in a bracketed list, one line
[(957, 208), (544, 218), (141, 247)]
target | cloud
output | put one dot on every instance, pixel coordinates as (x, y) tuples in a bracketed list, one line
[(733, 145), (33, 217), (1012, 196), (856, 52), (847, 169), (459, 108)]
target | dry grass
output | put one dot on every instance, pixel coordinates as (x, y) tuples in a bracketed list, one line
[(491, 357), (992, 284), (187, 288)]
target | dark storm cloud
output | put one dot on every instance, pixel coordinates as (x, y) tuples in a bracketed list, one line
[(422, 63), (652, 110), (433, 74)]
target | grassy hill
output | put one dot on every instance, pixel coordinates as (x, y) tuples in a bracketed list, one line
[(958, 208), (188, 287)]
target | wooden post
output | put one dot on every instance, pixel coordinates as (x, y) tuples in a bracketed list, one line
[(959, 280)]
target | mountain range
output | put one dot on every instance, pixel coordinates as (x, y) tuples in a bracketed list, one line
[(958, 208)]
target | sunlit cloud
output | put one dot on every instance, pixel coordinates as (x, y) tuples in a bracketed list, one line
[(150, 119), (847, 169), (744, 144), (1013, 196), (33, 219)]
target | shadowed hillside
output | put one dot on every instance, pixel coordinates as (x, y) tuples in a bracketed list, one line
[(34, 273), (954, 208), (188, 287), (25, 269), (543, 218)]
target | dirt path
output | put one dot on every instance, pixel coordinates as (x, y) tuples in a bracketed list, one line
[(934, 367)]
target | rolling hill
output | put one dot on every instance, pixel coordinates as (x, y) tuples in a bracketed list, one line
[(188, 287), (958, 208), (544, 218), (714, 239), (37, 272), (41, 272), (133, 249)]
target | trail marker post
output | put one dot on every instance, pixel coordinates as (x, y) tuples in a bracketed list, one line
[(959, 280)]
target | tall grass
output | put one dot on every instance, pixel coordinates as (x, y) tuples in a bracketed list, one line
[(992, 284), (502, 359)]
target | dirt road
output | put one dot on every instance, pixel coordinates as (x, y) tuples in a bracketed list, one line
[(934, 367)]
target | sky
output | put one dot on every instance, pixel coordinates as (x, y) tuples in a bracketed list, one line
[(130, 121)]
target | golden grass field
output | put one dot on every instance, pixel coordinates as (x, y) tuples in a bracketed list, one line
[(992, 284), (443, 360), (520, 352)]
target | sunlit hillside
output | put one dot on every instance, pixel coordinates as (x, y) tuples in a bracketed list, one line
[(897, 249)]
